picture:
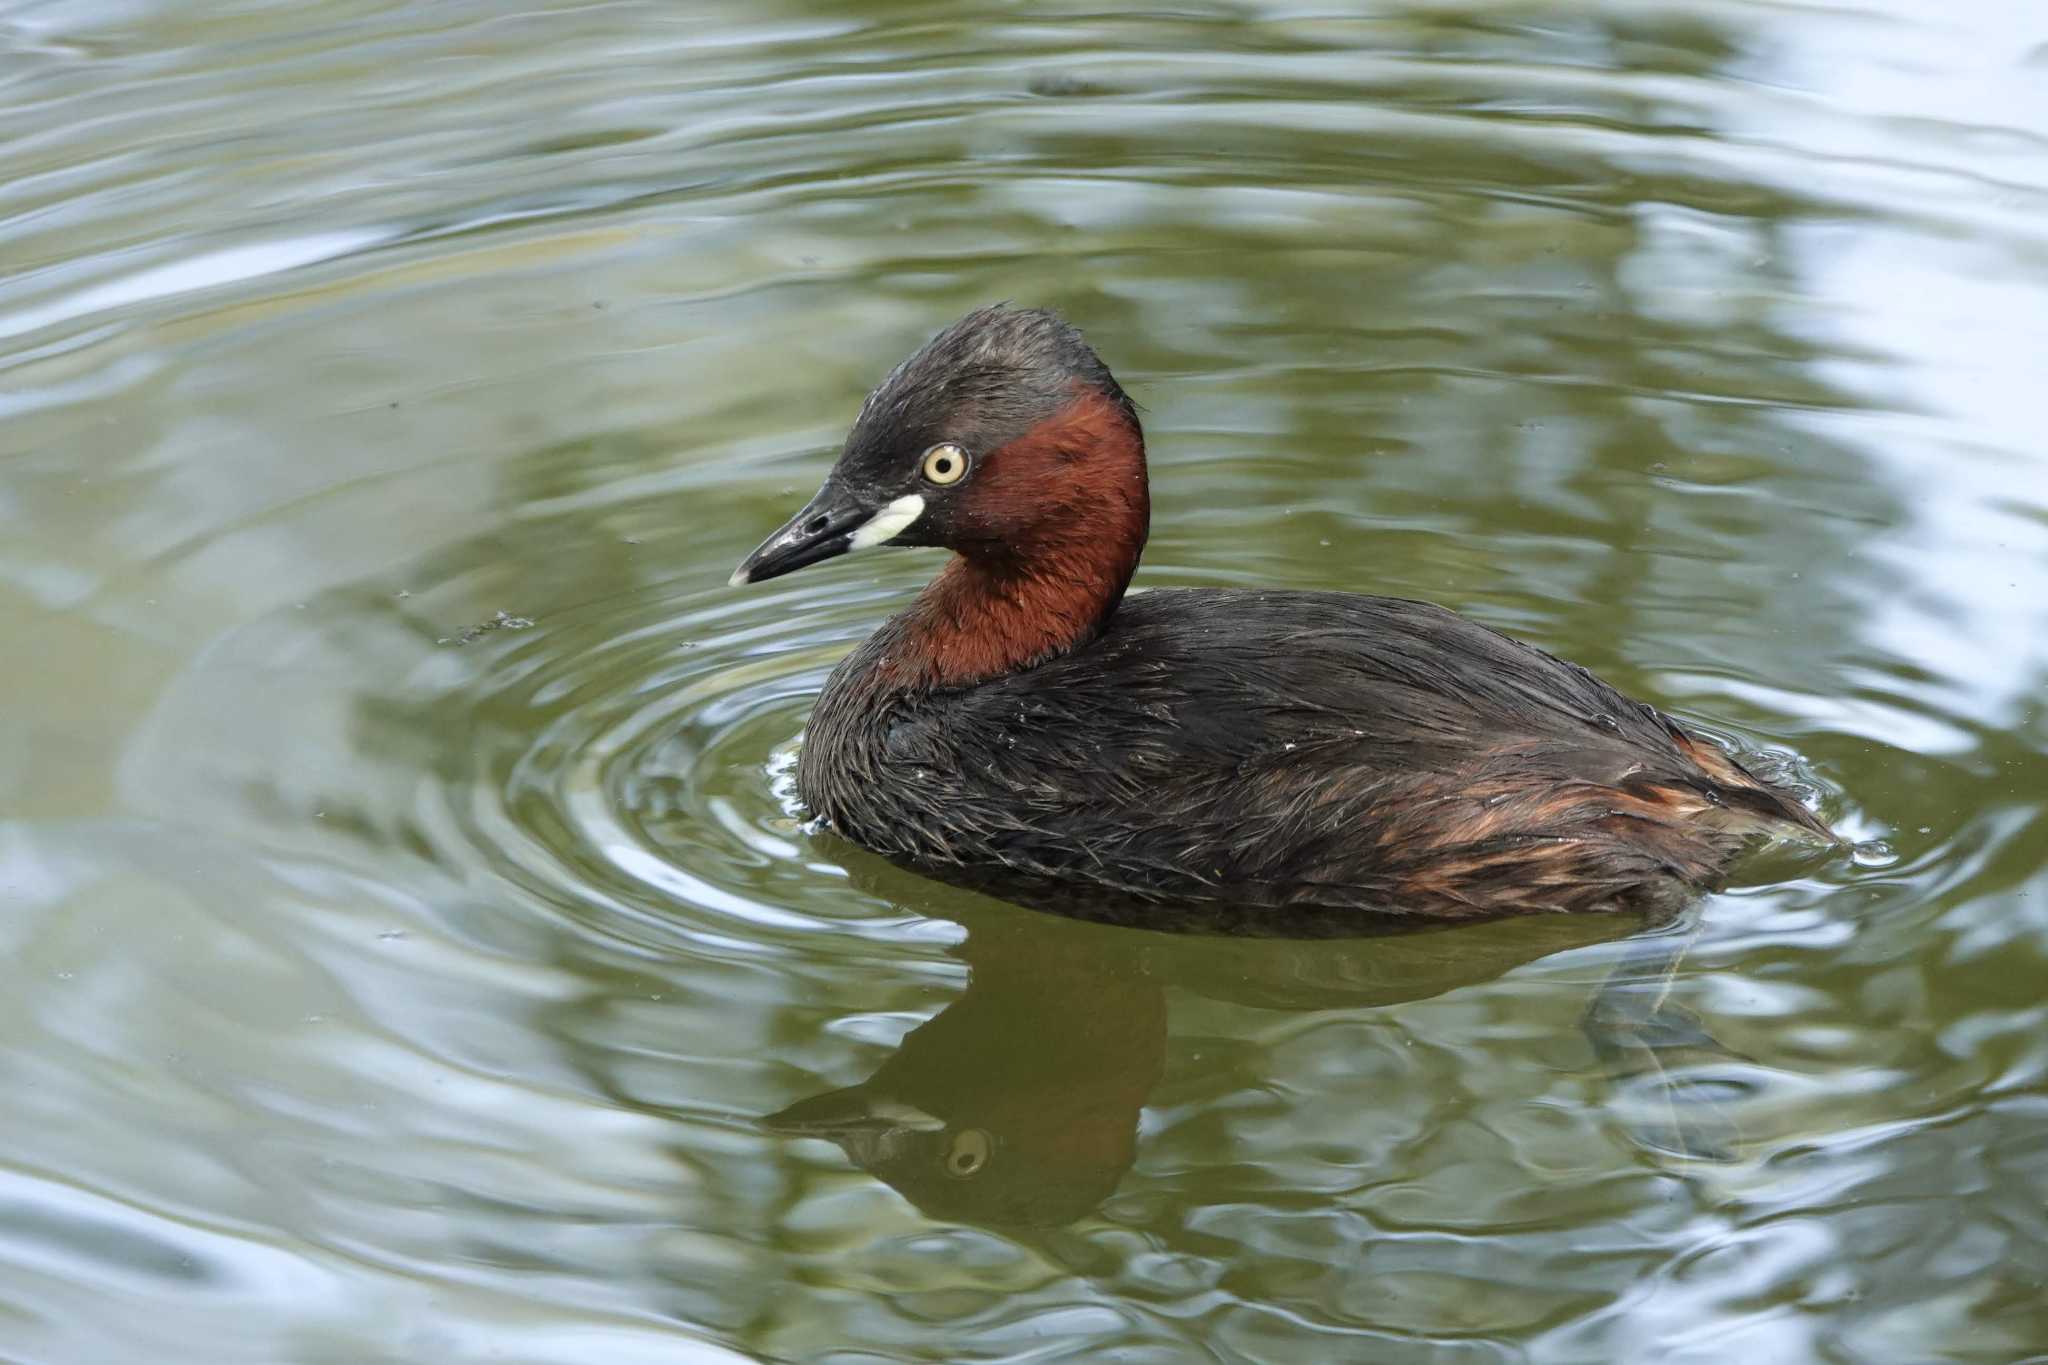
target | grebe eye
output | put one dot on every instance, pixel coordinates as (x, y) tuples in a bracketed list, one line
[(944, 463), (969, 1152)]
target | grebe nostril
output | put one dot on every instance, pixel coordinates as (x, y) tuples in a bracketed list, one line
[(1022, 724)]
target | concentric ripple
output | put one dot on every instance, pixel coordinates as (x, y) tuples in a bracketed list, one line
[(628, 758)]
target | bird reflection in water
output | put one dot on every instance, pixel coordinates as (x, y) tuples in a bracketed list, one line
[(1017, 1105)]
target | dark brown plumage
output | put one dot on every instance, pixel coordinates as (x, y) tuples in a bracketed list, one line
[(1275, 751)]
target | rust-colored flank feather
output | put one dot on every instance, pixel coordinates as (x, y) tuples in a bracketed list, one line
[(1025, 726)]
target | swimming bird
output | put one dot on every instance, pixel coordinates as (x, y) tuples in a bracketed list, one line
[(1027, 723)]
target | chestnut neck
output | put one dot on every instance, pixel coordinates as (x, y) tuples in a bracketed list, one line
[(1049, 540)]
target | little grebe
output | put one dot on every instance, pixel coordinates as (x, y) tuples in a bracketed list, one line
[(1024, 720)]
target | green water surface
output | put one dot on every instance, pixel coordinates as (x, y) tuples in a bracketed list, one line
[(409, 951)]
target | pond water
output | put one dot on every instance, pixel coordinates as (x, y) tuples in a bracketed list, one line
[(408, 950)]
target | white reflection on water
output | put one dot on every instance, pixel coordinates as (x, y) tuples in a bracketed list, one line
[(205, 270)]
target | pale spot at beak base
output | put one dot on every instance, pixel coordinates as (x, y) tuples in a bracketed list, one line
[(885, 525)]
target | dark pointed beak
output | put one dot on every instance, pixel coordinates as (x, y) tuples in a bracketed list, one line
[(836, 1113), (823, 530)]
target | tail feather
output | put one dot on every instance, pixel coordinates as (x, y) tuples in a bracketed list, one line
[(1736, 788)]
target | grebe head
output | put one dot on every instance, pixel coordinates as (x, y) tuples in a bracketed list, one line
[(1004, 438)]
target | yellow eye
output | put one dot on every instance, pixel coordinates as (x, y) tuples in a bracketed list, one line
[(969, 1152), (944, 463)]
